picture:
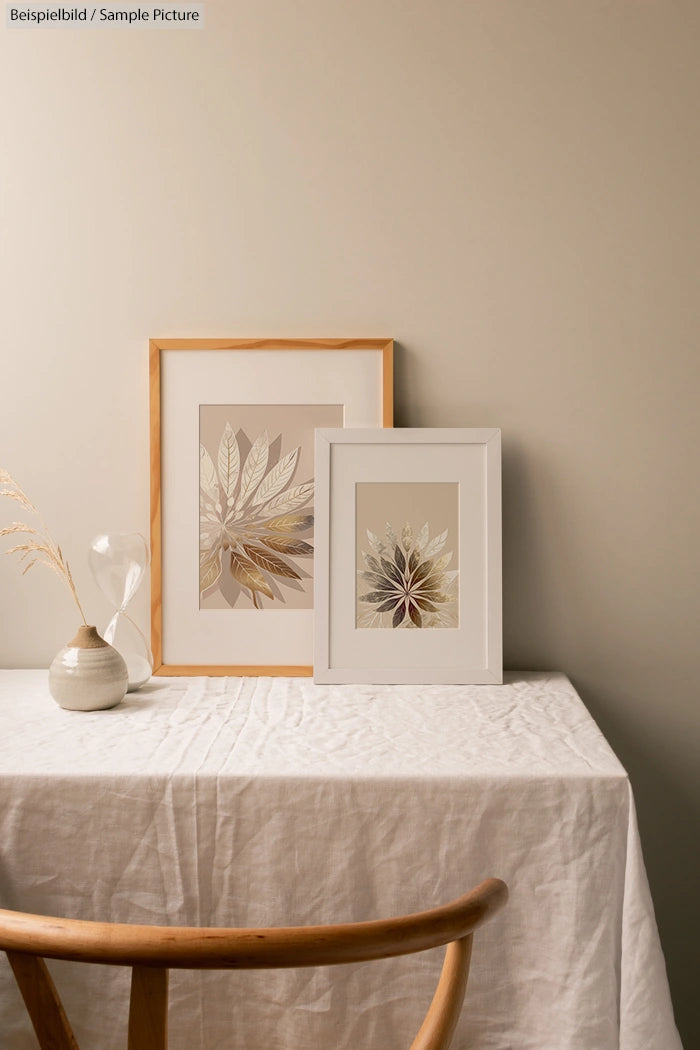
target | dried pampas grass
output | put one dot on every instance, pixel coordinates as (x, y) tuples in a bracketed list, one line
[(39, 548)]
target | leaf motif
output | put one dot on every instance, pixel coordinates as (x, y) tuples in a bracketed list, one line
[(207, 545), (291, 523), (407, 583), (208, 483), (391, 571), (291, 500), (377, 580), (298, 548), (428, 593), (210, 516), (421, 572), (375, 543), (422, 538), (442, 618), (254, 468), (442, 562), (371, 562), (278, 478), (425, 605), (376, 596), (390, 535), (210, 570), (435, 545), (248, 574), (229, 461), (270, 562)]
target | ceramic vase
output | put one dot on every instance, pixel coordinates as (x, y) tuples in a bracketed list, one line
[(88, 674)]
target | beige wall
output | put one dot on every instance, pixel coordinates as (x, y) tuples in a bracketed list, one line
[(508, 188)]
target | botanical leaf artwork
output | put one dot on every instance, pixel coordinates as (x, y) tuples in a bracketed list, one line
[(406, 581), (255, 522)]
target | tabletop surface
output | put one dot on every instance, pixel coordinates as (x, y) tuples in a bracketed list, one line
[(533, 725), (265, 801)]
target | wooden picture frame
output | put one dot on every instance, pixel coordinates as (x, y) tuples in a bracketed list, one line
[(221, 613), (408, 556)]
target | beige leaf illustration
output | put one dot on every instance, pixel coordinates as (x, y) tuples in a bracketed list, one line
[(422, 538), (442, 562), (210, 570), (286, 545), (288, 501), (291, 523), (207, 475), (371, 562), (404, 582), (248, 574), (374, 542), (270, 562), (277, 479), (435, 545), (229, 461), (254, 468)]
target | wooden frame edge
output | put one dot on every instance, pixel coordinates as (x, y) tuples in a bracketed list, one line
[(156, 509), (235, 671), (156, 345)]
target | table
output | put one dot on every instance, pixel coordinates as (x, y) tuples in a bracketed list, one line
[(243, 801)]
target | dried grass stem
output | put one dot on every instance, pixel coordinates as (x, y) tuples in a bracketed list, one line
[(38, 548)]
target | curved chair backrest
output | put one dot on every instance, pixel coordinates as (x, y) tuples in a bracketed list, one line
[(152, 950)]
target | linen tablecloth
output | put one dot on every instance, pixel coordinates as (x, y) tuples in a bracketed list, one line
[(244, 801)]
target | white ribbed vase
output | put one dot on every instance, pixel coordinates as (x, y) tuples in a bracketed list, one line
[(88, 674)]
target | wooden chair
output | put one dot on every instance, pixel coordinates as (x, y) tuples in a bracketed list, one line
[(152, 950)]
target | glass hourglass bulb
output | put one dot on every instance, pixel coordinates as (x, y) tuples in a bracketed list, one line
[(118, 562)]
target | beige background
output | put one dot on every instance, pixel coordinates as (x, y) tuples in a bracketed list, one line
[(395, 503), (508, 189)]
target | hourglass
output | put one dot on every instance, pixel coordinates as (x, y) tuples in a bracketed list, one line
[(118, 562)]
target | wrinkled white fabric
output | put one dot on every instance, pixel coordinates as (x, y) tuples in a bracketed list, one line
[(258, 801)]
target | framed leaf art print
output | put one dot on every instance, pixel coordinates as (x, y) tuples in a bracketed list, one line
[(233, 492), (408, 556)]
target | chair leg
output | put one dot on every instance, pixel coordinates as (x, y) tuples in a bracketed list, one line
[(441, 1019), (148, 1008), (43, 1002)]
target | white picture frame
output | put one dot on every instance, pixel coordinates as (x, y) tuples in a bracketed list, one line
[(187, 377), (441, 475)]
